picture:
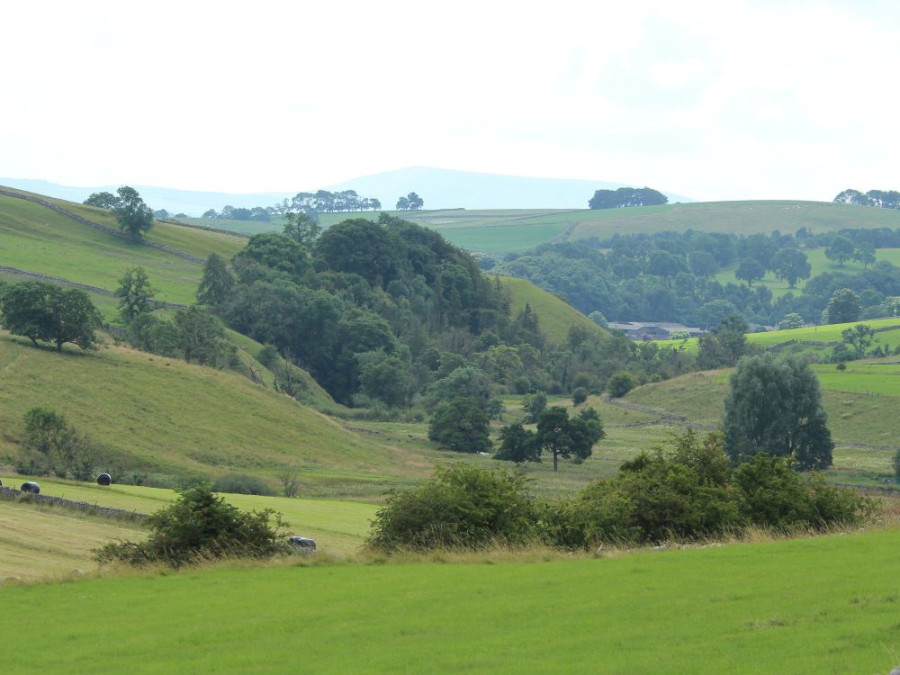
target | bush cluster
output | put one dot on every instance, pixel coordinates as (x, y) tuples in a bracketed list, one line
[(201, 526), (686, 492)]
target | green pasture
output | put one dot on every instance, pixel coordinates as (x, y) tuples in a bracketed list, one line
[(338, 526), (36, 239), (826, 604), (819, 264), (555, 316), (165, 416), (245, 227), (862, 410)]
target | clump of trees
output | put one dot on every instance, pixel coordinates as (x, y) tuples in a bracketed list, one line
[(52, 445), (687, 491), (625, 197), (133, 215), (411, 202), (198, 527), (46, 312), (884, 199)]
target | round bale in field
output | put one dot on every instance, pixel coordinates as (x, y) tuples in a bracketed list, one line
[(104, 479), (31, 486)]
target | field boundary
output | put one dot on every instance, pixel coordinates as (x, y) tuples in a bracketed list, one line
[(75, 284), (11, 494), (97, 226)]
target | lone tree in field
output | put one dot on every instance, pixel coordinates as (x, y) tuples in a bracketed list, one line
[(791, 265), (843, 307), (46, 312), (135, 294), (133, 215), (775, 407), (567, 437)]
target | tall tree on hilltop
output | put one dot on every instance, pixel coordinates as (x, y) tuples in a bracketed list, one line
[(133, 215)]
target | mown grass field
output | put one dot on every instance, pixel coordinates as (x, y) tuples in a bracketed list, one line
[(826, 604), (40, 541)]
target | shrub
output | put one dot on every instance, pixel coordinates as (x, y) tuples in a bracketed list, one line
[(620, 384), (772, 494), (460, 424), (579, 396), (242, 484), (200, 526), (461, 506)]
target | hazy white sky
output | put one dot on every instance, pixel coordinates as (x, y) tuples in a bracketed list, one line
[(712, 100)]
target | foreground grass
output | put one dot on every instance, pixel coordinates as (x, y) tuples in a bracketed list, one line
[(825, 604)]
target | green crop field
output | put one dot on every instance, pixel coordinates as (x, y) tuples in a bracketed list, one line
[(826, 604)]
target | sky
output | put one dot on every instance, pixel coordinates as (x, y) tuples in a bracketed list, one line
[(711, 100)]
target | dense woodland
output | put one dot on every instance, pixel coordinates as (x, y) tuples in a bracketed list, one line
[(670, 276)]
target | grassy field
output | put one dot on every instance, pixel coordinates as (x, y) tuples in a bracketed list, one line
[(178, 419), (861, 411), (555, 315), (826, 604), (819, 264), (37, 239), (497, 231), (338, 526), (888, 335)]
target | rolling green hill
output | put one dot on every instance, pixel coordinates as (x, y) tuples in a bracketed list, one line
[(36, 239), (170, 418), (501, 231), (555, 316)]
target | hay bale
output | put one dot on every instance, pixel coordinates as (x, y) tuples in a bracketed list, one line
[(31, 487), (104, 479)]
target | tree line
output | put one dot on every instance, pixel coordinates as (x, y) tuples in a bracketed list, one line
[(883, 199), (669, 276)]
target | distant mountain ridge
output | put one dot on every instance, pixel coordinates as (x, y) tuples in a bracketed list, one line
[(439, 188)]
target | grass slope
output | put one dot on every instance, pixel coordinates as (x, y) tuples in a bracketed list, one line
[(861, 403), (37, 239), (555, 315), (827, 604), (499, 231), (180, 419)]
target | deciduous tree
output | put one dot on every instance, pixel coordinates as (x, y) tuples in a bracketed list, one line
[(46, 312), (775, 406), (133, 215)]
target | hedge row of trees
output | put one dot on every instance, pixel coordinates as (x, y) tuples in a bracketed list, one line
[(686, 492)]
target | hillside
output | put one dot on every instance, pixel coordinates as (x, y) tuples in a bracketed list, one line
[(169, 419), (555, 316), (38, 240)]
